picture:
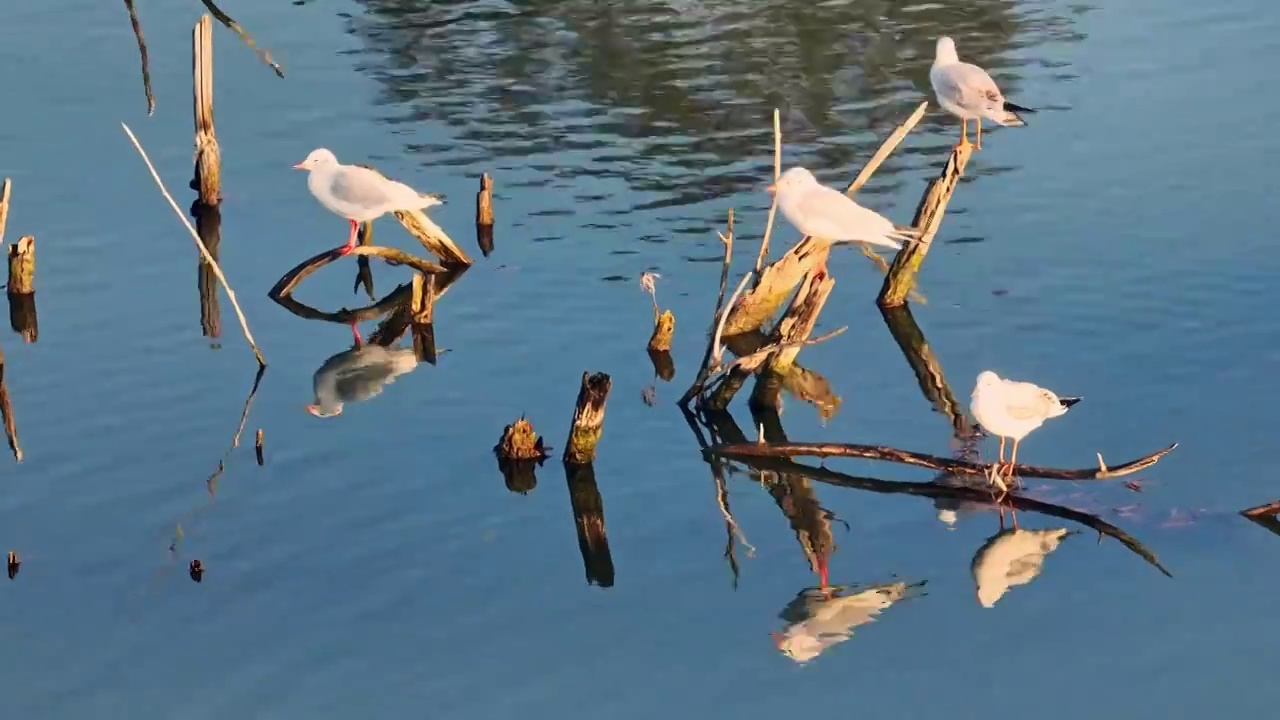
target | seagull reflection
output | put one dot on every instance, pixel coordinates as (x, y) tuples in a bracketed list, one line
[(1011, 557), (818, 620), (357, 374)]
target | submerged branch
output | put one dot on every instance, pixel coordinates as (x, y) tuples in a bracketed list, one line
[(740, 451), (286, 284)]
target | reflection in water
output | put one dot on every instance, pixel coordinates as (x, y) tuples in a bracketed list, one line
[(588, 518), (672, 96), (357, 374), (816, 620), (1010, 558), (209, 228)]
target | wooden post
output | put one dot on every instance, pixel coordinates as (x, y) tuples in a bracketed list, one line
[(209, 228), (794, 327), (519, 450), (257, 448), (588, 519), (928, 218), (484, 215), (588, 419), (5, 191), (208, 157), (14, 564), (662, 330), (22, 289), (421, 308)]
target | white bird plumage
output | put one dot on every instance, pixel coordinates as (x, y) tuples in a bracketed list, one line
[(1011, 409), (826, 213), (357, 374), (357, 193), (968, 92), (816, 622), (1011, 558)]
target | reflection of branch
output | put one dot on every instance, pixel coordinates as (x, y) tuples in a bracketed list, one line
[(907, 457), (925, 365), (286, 284), (977, 495)]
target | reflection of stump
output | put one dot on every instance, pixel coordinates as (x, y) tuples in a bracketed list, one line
[(209, 228), (421, 309), (588, 419), (662, 331), (519, 451), (22, 288), (588, 517), (484, 215), (663, 365)]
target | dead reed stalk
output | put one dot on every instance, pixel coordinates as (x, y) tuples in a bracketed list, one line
[(208, 170), (773, 206), (244, 324)]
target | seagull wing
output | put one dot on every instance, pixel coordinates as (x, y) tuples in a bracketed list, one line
[(1025, 401), (367, 188), (829, 214), (968, 86)]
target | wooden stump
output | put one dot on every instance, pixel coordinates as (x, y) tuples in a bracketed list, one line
[(662, 331), (519, 451), (484, 215), (21, 292), (588, 419), (257, 448), (208, 180)]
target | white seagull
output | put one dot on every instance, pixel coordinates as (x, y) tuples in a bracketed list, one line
[(1011, 558), (828, 214), (357, 374), (969, 93), (1012, 409), (357, 193)]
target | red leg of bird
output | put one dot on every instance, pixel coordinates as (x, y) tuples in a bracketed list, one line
[(351, 239), (355, 335), (822, 572)]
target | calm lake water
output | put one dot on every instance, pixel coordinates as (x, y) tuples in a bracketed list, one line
[(1121, 247)]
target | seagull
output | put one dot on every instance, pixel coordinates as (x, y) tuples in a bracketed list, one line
[(828, 214), (357, 374), (1012, 409), (969, 93), (1011, 558), (816, 622), (357, 193)]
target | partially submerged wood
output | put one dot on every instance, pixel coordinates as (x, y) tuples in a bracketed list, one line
[(6, 413), (705, 370), (775, 285), (660, 340), (225, 19), (519, 451), (142, 51), (364, 275), (6, 190), (949, 465), (287, 282), (421, 308), (928, 218), (432, 237), (244, 324), (208, 157), (484, 215), (400, 317), (209, 228), (258, 449), (793, 328), (588, 419), (588, 519), (22, 316), (928, 371), (960, 493), (1264, 516), (22, 266)]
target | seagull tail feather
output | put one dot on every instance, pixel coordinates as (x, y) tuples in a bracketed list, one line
[(904, 234)]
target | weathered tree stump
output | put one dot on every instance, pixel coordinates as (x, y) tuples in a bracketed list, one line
[(588, 419), (208, 170), (22, 289), (519, 451), (662, 331)]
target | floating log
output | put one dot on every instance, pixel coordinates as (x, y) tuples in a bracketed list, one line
[(286, 284), (519, 451), (588, 519), (933, 206), (928, 371), (209, 228), (484, 215), (660, 340), (208, 172), (142, 51), (588, 419), (257, 448), (950, 465)]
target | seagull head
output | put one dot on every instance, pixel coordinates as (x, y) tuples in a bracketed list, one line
[(319, 158), (793, 179), (946, 51), (986, 381), (322, 412)]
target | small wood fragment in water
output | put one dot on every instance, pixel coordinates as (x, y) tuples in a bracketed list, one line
[(5, 191), (519, 451), (588, 419), (660, 340), (257, 448), (22, 266), (208, 171), (196, 570), (14, 564), (484, 215)]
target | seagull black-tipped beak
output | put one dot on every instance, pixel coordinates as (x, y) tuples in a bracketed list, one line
[(1069, 401), (298, 167)]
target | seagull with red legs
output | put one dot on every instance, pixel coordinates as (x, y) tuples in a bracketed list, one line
[(357, 193)]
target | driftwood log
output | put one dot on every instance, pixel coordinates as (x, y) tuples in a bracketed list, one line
[(742, 451)]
